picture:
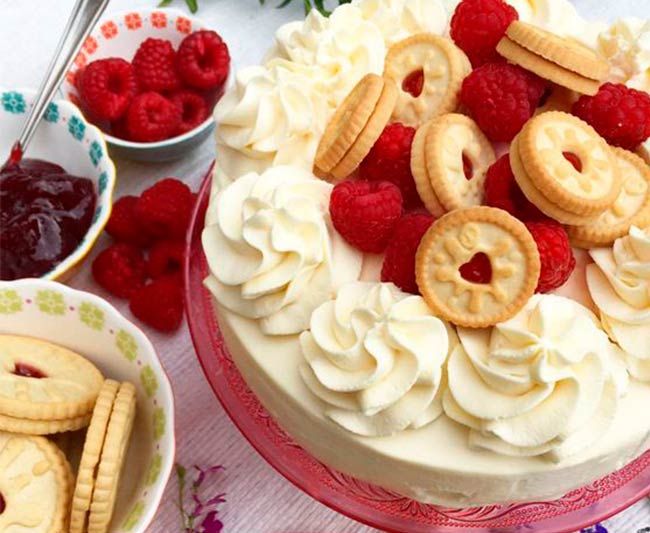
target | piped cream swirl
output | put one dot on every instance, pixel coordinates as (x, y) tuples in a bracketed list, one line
[(546, 382), (272, 251), (375, 356)]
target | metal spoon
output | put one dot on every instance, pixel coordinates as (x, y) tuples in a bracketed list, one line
[(83, 18)]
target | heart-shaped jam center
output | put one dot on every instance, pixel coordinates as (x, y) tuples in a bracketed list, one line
[(468, 167), (28, 371), (478, 269), (3, 505), (414, 83), (574, 160)]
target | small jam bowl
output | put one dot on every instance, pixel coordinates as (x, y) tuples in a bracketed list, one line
[(93, 328), (66, 138), (120, 35)]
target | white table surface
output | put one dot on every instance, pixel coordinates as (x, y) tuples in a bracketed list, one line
[(258, 500)]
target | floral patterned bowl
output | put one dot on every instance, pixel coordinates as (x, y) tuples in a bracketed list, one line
[(120, 35), (64, 137), (92, 327)]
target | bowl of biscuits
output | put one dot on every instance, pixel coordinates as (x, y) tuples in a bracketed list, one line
[(86, 414)]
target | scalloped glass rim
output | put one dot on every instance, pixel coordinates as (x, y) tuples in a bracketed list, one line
[(357, 499)]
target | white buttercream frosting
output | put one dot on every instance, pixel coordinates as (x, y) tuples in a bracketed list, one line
[(619, 283), (272, 251), (375, 356), (546, 382)]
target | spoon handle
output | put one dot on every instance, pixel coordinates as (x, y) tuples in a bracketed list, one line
[(83, 18)]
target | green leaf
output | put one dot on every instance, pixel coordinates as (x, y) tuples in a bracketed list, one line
[(164, 3), (193, 5)]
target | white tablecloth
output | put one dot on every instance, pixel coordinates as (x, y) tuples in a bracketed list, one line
[(258, 500)]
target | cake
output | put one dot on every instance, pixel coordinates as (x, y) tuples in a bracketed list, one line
[(432, 331)]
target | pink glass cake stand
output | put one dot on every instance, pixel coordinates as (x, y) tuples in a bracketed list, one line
[(357, 499)]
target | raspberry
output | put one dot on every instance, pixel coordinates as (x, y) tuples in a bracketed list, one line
[(165, 258), (152, 117), (555, 254), (120, 269), (123, 225), (502, 191), (620, 114), (399, 261), (155, 66), (203, 61), (502, 98), (390, 160), (106, 88), (159, 304), (164, 210), (477, 27), (365, 213), (194, 110)]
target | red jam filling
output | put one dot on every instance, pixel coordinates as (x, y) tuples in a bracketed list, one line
[(574, 160), (3, 505), (28, 371), (468, 167), (478, 269), (414, 83), (45, 213)]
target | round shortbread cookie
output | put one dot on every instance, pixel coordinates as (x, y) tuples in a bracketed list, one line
[(546, 69), (536, 197), (455, 145), (42, 381), (544, 144), (90, 456), (25, 426), (370, 133), (112, 459), (457, 239), (35, 485), (348, 122), (444, 66), (420, 174), (631, 208), (567, 53)]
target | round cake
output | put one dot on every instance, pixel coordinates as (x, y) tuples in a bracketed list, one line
[(429, 243)]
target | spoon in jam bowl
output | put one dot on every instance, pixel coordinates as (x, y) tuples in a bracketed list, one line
[(84, 16)]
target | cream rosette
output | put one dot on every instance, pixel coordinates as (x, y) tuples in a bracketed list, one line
[(546, 382), (272, 251), (375, 356), (619, 283)]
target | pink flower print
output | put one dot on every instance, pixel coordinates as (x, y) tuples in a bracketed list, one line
[(158, 19), (71, 77), (211, 523), (74, 99), (183, 25), (109, 29), (133, 21), (90, 46), (80, 61)]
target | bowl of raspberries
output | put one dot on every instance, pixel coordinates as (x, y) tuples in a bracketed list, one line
[(149, 79)]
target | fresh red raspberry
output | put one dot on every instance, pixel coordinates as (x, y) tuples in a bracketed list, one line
[(120, 269), (399, 261), (502, 191), (502, 98), (555, 254), (164, 210), (152, 117), (194, 109), (106, 88), (390, 160), (159, 304), (165, 258), (203, 61), (620, 114), (123, 225), (155, 66), (477, 27), (365, 213)]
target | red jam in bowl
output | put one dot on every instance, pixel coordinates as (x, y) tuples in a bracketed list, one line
[(44, 215)]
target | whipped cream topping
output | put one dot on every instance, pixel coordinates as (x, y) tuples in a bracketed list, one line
[(375, 356), (626, 45), (546, 382), (619, 283), (272, 252)]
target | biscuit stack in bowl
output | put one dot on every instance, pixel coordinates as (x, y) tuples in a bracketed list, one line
[(47, 390)]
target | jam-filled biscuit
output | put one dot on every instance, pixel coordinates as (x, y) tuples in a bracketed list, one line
[(484, 240), (436, 67), (420, 173)]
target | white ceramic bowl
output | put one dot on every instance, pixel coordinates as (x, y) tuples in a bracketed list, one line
[(92, 327), (66, 138), (120, 35)]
